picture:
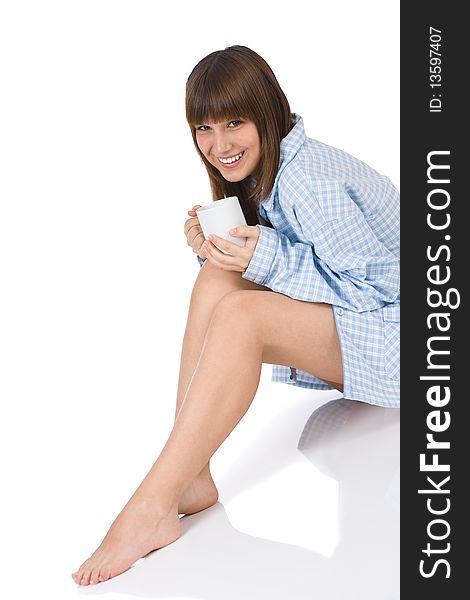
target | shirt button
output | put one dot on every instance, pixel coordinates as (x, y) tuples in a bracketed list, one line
[(339, 311)]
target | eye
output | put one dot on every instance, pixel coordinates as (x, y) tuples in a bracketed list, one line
[(202, 128), (234, 123)]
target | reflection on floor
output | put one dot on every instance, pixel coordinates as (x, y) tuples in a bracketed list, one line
[(308, 510)]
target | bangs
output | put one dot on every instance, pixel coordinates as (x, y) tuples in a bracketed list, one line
[(216, 96)]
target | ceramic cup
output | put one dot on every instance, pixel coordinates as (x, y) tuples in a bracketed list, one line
[(219, 217)]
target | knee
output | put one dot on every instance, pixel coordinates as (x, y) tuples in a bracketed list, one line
[(237, 309), (212, 283)]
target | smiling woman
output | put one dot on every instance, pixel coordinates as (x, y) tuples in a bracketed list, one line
[(315, 290), (232, 147), (219, 108)]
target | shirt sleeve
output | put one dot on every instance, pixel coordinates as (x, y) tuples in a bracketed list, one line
[(342, 263)]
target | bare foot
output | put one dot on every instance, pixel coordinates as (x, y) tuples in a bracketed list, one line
[(137, 530), (199, 495)]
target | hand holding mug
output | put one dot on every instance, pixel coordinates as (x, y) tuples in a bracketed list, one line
[(193, 232), (234, 257)]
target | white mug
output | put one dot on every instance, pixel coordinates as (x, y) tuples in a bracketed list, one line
[(219, 217)]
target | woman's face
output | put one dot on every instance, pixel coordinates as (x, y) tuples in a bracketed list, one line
[(232, 147)]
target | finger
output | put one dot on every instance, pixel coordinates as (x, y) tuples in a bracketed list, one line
[(196, 241), (230, 247), (193, 229), (219, 256), (213, 258), (200, 252), (244, 231), (189, 224)]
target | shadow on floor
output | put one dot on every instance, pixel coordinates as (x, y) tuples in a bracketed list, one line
[(355, 443)]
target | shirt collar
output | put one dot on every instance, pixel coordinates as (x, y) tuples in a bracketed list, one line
[(291, 144)]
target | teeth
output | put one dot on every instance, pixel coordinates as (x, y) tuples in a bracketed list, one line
[(228, 161)]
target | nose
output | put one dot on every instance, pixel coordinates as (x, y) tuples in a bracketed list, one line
[(221, 142)]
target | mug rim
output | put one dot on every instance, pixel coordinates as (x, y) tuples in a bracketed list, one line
[(215, 203)]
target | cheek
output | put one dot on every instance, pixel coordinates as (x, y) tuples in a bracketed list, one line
[(202, 146), (256, 150), (255, 145)]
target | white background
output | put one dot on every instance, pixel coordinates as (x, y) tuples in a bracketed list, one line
[(97, 171)]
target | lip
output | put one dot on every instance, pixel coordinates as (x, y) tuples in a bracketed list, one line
[(232, 165)]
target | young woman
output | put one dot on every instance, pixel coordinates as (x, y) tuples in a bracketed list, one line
[(314, 291)]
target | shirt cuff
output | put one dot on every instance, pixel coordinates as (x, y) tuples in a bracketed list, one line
[(261, 262)]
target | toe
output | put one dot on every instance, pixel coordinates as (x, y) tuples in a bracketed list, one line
[(85, 577), (77, 576), (94, 576), (80, 573), (105, 574)]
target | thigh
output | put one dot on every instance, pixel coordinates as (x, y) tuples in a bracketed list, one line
[(292, 332)]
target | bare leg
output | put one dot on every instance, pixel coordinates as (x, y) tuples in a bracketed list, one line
[(210, 287), (210, 410), (246, 329)]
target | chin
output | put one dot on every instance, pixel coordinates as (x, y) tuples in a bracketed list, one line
[(233, 179)]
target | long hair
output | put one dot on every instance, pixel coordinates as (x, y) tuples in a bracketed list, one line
[(237, 82)]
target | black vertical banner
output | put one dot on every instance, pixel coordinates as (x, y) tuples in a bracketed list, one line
[(434, 346)]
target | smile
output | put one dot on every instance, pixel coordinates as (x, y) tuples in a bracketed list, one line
[(232, 161)]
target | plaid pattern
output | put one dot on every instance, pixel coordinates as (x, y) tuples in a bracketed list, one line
[(335, 239)]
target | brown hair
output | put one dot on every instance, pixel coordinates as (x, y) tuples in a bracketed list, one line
[(237, 82)]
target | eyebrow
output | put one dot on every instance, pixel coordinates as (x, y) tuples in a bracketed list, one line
[(198, 124)]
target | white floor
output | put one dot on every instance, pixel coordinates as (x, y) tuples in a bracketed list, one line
[(309, 508)]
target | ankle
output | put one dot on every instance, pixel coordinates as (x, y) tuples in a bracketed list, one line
[(157, 504), (204, 473)]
